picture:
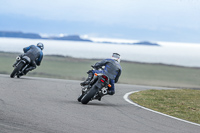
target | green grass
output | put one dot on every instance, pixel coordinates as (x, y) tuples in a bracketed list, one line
[(132, 73), (160, 75), (180, 103)]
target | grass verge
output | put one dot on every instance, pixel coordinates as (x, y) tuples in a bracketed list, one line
[(180, 103)]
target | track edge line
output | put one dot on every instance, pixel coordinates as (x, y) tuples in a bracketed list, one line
[(135, 104)]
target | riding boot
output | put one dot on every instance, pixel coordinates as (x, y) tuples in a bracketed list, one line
[(110, 92), (28, 69), (87, 81)]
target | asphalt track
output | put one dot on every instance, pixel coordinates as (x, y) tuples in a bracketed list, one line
[(41, 105)]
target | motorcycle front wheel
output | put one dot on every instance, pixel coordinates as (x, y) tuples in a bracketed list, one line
[(16, 70)]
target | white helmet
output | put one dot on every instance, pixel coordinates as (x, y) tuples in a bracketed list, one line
[(116, 57), (40, 45)]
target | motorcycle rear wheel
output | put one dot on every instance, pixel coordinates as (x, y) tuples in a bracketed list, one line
[(90, 94), (16, 70), (80, 97)]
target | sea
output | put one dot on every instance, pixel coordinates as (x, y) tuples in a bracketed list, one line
[(170, 53)]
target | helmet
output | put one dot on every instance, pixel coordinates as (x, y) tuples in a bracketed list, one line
[(116, 57), (40, 45)]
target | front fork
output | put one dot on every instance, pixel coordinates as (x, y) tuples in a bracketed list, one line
[(24, 68), (18, 58), (18, 62)]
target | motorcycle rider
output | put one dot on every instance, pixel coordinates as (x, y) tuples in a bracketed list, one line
[(35, 54), (112, 69)]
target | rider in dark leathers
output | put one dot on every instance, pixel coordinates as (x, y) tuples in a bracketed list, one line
[(35, 54), (112, 69)]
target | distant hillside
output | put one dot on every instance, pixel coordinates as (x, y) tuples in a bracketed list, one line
[(146, 43), (137, 43), (70, 38), (37, 36), (19, 35)]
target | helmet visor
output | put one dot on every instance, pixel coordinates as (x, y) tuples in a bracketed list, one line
[(116, 55)]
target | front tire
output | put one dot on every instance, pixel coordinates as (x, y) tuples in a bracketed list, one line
[(90, 94), (16, 70)]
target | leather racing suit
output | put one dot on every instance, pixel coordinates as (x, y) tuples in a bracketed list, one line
[(112, 70), (35, 54)]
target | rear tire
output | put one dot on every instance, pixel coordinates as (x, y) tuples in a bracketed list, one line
[(80, 97), (16, 70), (90, 94)]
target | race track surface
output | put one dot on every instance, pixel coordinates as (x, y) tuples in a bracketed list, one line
[(41, 105)]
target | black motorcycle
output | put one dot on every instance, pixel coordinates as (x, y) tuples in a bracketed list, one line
[(22, 62), (96, 89)]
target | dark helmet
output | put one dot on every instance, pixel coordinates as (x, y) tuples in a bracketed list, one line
[(40, 45)]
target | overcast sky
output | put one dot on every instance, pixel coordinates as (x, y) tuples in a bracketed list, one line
[(153, 20)]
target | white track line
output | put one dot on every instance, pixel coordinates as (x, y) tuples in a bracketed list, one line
[(128, 100)]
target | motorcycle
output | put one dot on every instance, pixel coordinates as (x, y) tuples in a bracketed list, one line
[(22, 62), (96, 89)]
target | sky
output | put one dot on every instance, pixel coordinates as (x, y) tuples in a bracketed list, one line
[(145, 20)]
